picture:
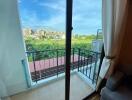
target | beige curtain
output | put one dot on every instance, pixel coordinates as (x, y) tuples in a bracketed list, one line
[(114, 14)]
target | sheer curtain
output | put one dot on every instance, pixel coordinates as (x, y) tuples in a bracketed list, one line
[(114, 13)]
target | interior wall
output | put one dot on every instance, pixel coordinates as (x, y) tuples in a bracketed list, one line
[(126, 50), (12, 51)]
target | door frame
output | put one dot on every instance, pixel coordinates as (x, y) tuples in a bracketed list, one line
[(69, 9)]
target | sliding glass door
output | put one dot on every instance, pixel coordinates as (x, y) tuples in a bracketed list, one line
[(60, 38), (86, 44)]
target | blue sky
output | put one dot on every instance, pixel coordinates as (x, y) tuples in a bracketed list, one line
[(51, 13)]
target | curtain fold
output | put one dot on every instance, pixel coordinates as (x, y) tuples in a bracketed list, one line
[(114, 13)]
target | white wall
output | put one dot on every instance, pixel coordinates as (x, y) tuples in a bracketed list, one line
[(12, 79)]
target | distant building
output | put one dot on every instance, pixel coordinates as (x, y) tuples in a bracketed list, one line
[(43, 34), (28, 31)]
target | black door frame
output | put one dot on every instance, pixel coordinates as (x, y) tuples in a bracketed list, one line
[(69, 4), (69, 9)]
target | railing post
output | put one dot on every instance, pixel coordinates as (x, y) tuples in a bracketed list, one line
[(87, 63), (83, 61), (73, 59), (91, 59), (57, 63), (102, 55), (49, 58), (94, 73), (34, 66), (78, 58)]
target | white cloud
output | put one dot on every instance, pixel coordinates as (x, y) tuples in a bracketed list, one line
[(19, 1), (86, 15), (31, 19), (58, 6)]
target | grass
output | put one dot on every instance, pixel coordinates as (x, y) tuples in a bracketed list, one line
[(32, 44)]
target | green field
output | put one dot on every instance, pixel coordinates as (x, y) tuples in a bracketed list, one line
[(43, 44), (32, 44)]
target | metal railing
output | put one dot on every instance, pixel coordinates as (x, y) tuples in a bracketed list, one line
[(48, 63)]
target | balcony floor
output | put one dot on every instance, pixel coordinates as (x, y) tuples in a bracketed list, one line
[(56, 90)]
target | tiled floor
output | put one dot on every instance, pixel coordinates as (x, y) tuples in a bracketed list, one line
[(56, 91)]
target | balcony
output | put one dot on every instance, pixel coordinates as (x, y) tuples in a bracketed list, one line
[(47, 74), (55, 90), (49, 63)]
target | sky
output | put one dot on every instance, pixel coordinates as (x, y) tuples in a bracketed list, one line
[(52, 14)]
